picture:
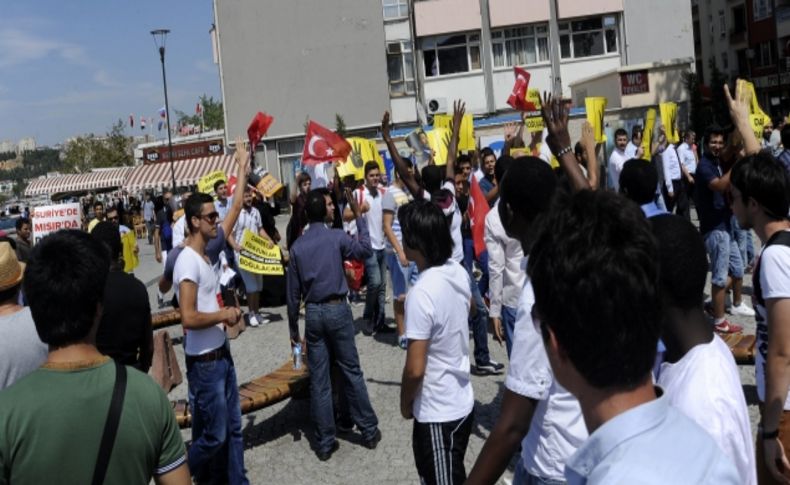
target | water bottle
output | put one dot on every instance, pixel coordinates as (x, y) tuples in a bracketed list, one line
[(297, 356)]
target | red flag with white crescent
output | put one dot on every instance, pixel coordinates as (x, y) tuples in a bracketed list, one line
[(258, 127), (323, 145), (478, 209), (518, 97)]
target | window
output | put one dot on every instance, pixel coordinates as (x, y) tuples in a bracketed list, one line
[(520, 46), (395, 9), (289, 154), (722, 24), (589, 37), (765, 54), (738, 19), (450, 54), (400, 68), (725, 62), (762, 9)]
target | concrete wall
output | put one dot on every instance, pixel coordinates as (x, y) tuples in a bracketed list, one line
[(469, 87), (658, 30), (403, 109), (302, 58), (443, 16)]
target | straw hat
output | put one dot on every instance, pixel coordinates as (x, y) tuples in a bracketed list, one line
[(11, 270)]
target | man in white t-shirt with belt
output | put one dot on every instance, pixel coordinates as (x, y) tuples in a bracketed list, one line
[(211, 375)]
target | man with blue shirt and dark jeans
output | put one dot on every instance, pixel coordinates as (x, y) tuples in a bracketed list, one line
[(712, 181), (315, 274)]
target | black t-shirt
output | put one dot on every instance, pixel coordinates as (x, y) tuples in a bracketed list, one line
[(125, 328)]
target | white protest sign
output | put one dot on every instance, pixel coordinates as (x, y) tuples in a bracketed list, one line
[(52, 218)]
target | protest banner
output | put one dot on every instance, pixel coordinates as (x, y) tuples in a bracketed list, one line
[(268, 185), (595, 111), (534, 120), (466, 138), (669, 118), (260, 256), (52, 218), (647, 134), (362, 151), (417, 140), (130, 259), (436, 140), (757, 123), (206, 182)]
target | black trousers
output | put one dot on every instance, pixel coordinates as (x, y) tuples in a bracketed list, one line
[(439, 450), (679, 204)]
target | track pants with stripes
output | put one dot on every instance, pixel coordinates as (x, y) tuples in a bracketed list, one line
[(439, 450)]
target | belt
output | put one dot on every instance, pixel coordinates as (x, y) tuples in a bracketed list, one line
[(331, 300), (210, 356)]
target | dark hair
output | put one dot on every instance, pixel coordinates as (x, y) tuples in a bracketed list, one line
[(21, 222), (194, 207), (620, 132), (316, 204), (425, 230), (764, 179), (107, 233), (486, 152), (785, 135), (98, 204), (10, 294), (636, 130), (463, 159), (682, 261), (371, 166), (528, 186), (638, 181), (502, 165), (595, 274), (64, 285), (218, 184), (432, 177), (715, 129)]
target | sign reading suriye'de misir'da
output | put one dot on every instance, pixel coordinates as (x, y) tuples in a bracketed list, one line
[(47, 219)]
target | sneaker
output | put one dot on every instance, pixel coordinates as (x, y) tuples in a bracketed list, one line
[(252, 320), (160, 300), (262, 318), (742, 309), (373, 442), (727, 327), (403, 342), (490, 367), (325, 455)]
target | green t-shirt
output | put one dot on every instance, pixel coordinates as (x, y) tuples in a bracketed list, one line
[(51, 424)]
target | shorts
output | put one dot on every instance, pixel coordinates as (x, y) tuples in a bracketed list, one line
[(402, 278), (725, 257)]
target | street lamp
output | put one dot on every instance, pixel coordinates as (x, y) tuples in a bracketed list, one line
[(160, 36)]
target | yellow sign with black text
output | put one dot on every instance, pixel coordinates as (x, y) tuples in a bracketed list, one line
[(260, 256), (206, 182)]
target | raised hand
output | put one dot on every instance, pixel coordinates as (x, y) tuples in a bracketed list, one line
[(510, 130), (385, 126), (459, 109), (555, 117), (242, 155)]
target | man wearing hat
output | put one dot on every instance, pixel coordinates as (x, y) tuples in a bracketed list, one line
[(21, 350)]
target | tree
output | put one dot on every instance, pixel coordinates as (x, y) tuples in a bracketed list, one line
[(88, 152), (700, 115), (340, 125), (721, 112), (213, 115)]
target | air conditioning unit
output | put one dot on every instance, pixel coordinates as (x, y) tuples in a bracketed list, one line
[(436, 105)]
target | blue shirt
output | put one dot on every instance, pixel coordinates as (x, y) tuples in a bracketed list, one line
[(712, 208), (487, 186), (315, 268), (652, 443), (652, 209)]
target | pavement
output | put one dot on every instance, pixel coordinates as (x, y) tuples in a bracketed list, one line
[(278, 438)]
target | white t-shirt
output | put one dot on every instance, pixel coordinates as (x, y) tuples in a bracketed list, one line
[(437, 309), (192, 267), (374, 216), (455, 225), (616, 161), (319, 178), (248, 219), (775, 283), (179, 230), (687, 157), (630, 150), (706, 386), (557, 428), (393, 200)]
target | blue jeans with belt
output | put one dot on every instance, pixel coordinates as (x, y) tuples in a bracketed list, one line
[(217, 451), (329, 331), (375, 302)]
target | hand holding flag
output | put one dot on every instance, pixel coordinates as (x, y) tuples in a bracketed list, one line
[(518, 98), (323, 145)]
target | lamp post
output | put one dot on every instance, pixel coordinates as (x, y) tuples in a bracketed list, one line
[(160, 36)]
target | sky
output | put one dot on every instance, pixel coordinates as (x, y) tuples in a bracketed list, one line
[(69, 68)]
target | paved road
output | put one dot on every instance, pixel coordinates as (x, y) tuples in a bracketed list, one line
[(277, 439)]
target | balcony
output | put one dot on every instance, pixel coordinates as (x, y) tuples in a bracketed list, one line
[(737, 37)]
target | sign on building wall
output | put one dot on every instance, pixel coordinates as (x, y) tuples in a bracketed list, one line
[(205, 148), (634, 82)]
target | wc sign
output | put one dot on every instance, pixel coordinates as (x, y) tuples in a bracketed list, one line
[(634, 82)]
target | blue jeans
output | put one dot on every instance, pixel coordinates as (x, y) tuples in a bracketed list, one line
[(479, 325), (217, 450), (329, 331), (743, 238), (522, 477), (725, 257), (508, 318), (375, 302), (482, 260)]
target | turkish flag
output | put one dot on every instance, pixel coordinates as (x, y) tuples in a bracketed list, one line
[(231, 184), (258, 127), (478, 209), (323, 145), (518, 98)]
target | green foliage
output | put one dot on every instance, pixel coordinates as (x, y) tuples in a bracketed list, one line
[(87, 152), (721, 112), (340, 125), (213, 115), (700, 116), (7, 156)]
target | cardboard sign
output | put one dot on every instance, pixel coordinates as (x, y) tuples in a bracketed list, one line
[(436, 138), (206, 182), (757, 123), (362, 151), (750, 97), (269, 185), (595, 111), (466, 138), (259, 256), (52, 218), (534, 120), (417, 140), (647, 134), (669, 118), (130, 259)]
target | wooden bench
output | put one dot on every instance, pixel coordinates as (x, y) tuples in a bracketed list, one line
[(742, 347), (258, 393), (165, 318)]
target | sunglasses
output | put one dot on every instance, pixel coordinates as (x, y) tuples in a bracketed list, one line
[(211, 217)]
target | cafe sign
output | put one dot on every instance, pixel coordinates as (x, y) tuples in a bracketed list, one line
[(199, 149)]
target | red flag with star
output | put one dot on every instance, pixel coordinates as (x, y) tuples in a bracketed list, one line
[(478, 209), (323, 145), (258, 127), (518, 98)]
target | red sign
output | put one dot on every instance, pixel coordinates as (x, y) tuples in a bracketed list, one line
[(634, 82), (204, 148)]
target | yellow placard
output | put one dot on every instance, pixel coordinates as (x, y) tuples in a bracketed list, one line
[(757, 122), (260, 256), (362, 151), (647, 134), (206, 182), (436, 140), (466, 138), (129, 243), (534, 120), (595, 110), (269, 185), (669, 118)]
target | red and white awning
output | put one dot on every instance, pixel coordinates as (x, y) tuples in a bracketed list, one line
[(96, 180), (187, 172)]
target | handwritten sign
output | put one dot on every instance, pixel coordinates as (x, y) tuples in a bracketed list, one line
[(206, 182), (259, 256), (52, 218), (269, 185)]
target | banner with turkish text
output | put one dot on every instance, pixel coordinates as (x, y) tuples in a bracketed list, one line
[(206, 182), (47, 219), (260, 256)]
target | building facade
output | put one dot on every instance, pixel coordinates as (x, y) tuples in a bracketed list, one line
[(356, 58)]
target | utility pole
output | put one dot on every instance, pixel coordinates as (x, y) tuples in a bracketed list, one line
[(554, 51)]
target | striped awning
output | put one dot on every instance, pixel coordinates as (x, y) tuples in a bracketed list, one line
[(79, 182), (187, 172)]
